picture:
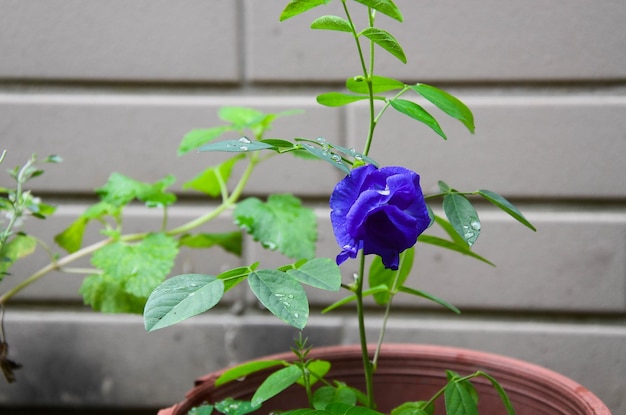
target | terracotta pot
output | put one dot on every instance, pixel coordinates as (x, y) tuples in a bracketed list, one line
[(408, 372)]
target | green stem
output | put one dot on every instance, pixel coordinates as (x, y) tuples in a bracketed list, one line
[(367, 364), (58, 265)]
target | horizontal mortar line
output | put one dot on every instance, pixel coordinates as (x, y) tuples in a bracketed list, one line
[(127, 98)]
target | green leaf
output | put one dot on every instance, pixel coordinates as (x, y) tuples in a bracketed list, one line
[(230, 406), (386, 7), (119, 190), (322, 273), (358, 84), (462, 216), (447, 103), (414, 408), (296, 7), (234, 276), (276, 383), (338, 99), (333, 159), (181, 297), (386, 41), (246, 369), (138, 267), (71, 238), (506, 206), (503, 395), (317, 370), (378, 275), (213, 180), (201, 410), (459, 399), (331, 23), (282, 295), (240, 117), (107, 295), (418, 113), (230, 241), (430, 297), (281, 223), (351, 152), (242, 145), (330, 394), (18, 247), (371, 291), (453, 246), (196, 138)]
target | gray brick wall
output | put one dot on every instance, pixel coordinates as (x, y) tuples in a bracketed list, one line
[(113, 86)]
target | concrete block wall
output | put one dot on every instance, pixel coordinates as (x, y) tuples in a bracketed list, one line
[(114, 86)]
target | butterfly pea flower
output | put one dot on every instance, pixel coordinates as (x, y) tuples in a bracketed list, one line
[(379, 210)]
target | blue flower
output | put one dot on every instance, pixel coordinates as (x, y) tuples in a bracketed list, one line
[(381, 211)]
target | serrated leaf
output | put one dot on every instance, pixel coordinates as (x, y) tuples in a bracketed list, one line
[(386, 7), (462, 216), (358, 84), (338, 99), (196, 138), (282, 295), (386, 41), (430, 297), (230, 241), (212, 179), (119, 190), (242, 145), (138, 267), (506, 206), (331, 23), (246, 369), (322, 273), (281, 223), (418, 113), (107, 295), (276, 383), (459, 400), (18, 247), (296, 7), (448, 103), (181, 297)]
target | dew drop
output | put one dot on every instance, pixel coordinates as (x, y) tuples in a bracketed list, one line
[(321, 140), (245, 140), (243, 148), (475, 224), (296, 315), (269, 245), (335, 157)]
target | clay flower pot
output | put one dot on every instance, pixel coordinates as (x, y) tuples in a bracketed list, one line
[(409, 372)]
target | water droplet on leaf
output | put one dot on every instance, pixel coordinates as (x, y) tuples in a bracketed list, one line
[(245, 140)]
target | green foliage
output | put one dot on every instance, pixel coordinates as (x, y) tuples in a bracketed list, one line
[(120, 190), (17, 203), (130, 270), (281, 223), (229, 241), (231, 406), (386, 41), (181, 297), (212, 181), (276, 383)]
